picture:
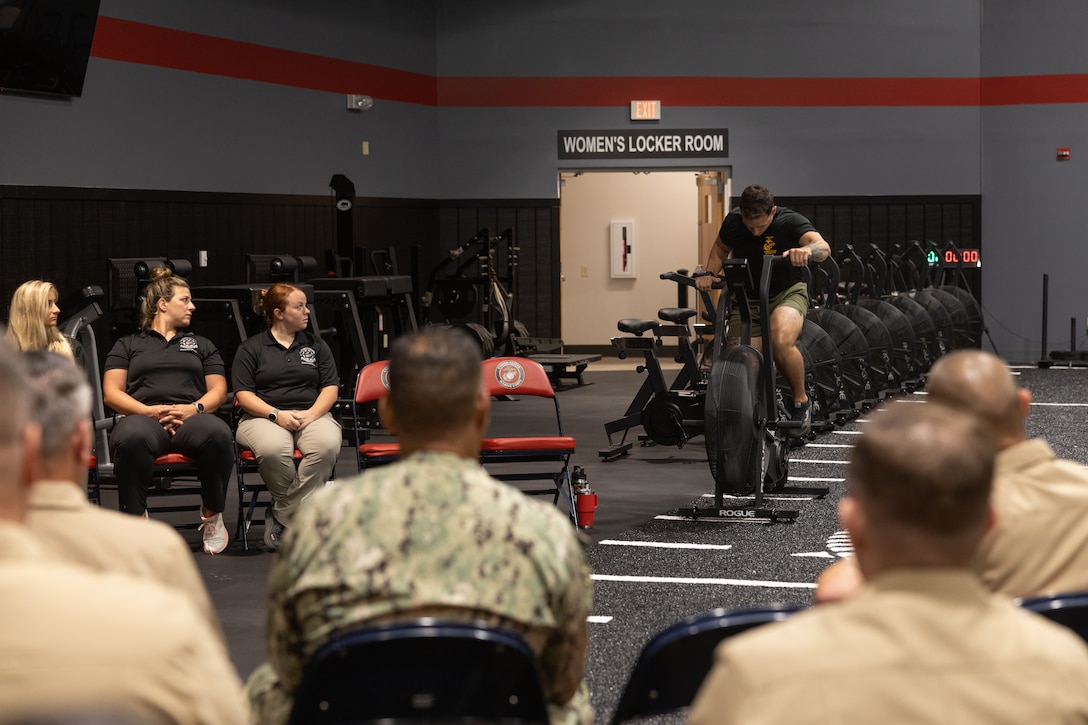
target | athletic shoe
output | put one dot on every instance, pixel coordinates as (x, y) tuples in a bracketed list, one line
[(215, 533), (273, 531), (802, 413)]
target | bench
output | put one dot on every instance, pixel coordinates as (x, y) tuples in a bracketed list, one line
[(548, 351)]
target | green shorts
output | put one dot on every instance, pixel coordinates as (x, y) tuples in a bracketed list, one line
[(795, 297)]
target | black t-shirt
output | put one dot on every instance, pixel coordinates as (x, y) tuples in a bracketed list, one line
[(163, 371), (288, 378), (784, 232)]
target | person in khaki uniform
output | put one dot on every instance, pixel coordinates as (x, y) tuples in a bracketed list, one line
[(923, 641), (1039, 544), (66, 523), (76, 641), (432, 535)]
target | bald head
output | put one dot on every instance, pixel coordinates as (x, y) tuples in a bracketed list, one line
[(922, 475), (980, 383)]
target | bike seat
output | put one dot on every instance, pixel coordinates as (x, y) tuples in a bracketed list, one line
[(635, 326), (676, 315)]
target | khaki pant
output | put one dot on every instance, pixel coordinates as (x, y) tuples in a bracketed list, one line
[(319, 443)]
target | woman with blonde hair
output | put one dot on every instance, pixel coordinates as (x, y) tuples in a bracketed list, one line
[(32, 320), (164, 379)]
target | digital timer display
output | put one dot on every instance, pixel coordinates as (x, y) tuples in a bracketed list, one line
[(954, 258)]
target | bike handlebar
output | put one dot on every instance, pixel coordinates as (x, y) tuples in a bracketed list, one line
[(689, 281)]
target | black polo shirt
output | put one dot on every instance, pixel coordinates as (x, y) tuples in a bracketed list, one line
[(289, 378), (162, 371), (784, 232)]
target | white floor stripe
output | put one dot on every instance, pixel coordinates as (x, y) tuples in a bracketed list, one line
[(829, 445), (847, 432), (766, 497), (598, 619), (694, 580), (1061, 405), (664, 544), (713, 520), (813, 460), (1056, 366), (817, 479), (817, 554)]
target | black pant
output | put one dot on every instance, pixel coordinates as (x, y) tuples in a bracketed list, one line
[(137, 440)]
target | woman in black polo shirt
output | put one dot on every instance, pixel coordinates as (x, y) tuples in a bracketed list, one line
[(285, 380), (162, 379)]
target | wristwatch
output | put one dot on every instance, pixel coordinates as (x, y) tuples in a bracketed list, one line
[(272, 415), (199, 406)]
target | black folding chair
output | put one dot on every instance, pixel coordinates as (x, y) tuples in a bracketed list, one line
[(676, 660), (1069, 609), (422, 670)]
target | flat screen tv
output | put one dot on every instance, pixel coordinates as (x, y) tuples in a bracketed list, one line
[(45, 44)]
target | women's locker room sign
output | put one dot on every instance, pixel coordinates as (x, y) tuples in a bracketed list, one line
[(655, 144)]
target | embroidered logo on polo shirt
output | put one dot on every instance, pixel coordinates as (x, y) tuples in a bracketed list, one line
[(307, 356), (188, 344)]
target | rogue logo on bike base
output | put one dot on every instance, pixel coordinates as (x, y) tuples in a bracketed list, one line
[(625, 144), (737, 513)]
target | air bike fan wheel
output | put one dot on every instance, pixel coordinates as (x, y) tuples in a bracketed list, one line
[(733, 426)]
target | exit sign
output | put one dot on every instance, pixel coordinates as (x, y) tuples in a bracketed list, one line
[(645, 110)]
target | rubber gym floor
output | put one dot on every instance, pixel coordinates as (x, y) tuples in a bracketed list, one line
[(651, 568)]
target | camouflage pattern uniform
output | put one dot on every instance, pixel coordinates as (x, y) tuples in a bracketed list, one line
[(433, 535)]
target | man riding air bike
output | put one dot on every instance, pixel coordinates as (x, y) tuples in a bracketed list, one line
[(755, 228)]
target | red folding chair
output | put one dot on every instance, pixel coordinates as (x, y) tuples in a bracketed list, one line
[(371, 386), (94, 486), (245, 461), (506, 376)]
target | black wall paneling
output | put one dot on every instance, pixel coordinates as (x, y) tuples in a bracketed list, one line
[(66, 234), (536, 232), (892, 221)]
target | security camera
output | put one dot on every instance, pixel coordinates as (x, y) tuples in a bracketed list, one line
[(359, 102)]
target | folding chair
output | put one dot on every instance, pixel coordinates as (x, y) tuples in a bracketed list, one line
[(422, 670), (371, 386), (245, 462), (166, 470), (504, 376), (674, 663), (1069, 609), (168, 467), (94, 485)]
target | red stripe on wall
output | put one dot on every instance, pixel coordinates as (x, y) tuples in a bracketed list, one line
[(706, 91), (1026, 90), (132, 42)]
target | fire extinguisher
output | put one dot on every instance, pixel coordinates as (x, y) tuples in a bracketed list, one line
[(585, 500)]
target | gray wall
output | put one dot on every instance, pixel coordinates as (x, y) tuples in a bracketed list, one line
[(795, 151), (142, 127), (1033, 205)]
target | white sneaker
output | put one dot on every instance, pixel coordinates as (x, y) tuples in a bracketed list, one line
[(215, 533)]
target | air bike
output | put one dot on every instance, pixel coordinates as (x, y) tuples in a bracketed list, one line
[(747, 431)]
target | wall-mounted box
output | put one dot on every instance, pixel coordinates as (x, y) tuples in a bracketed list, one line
[(624, 250)]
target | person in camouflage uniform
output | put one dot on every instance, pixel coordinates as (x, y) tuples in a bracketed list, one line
[(431, 535)]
